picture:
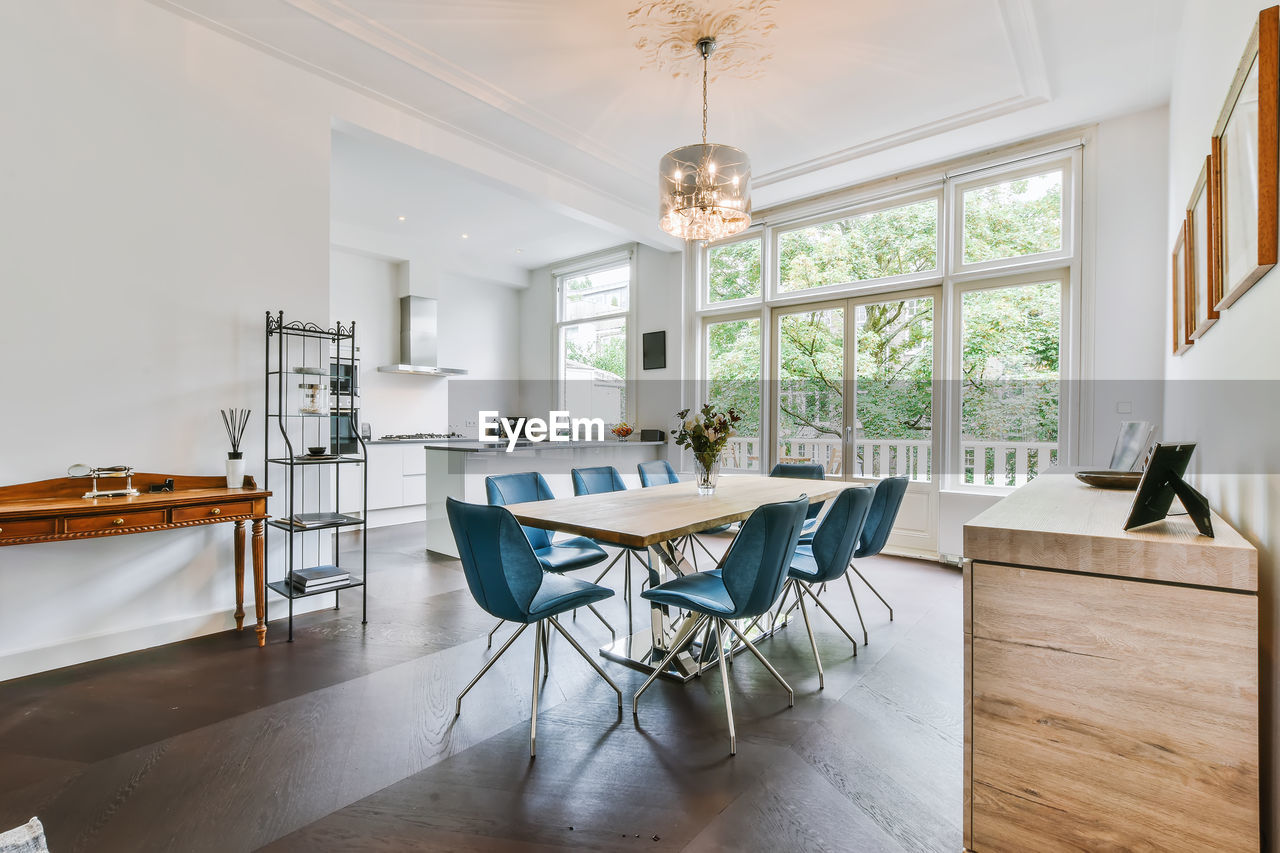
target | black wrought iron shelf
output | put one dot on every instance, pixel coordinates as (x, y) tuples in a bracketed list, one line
[(306, 460), (290, 527), (318, 356), (284, 588)]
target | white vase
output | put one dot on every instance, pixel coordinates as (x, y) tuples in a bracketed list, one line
[(235, 473)]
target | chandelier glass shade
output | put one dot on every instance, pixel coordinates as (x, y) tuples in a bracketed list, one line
[(704, 189)]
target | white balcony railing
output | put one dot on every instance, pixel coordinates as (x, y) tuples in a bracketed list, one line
[(992, 463)]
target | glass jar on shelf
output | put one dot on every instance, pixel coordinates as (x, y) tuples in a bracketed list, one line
[(315, 398)]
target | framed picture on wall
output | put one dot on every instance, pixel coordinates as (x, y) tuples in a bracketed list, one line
[(1202, 255), (1181, 326), (1245, 156)]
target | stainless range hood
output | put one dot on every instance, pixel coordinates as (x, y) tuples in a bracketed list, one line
[(419, 343)]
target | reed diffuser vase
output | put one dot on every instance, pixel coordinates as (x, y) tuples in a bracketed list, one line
[(234, 421)]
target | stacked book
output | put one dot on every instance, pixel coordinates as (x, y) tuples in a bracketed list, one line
[(320, 578), (322, 519)]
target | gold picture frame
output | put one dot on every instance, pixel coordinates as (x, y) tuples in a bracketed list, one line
[(1245, 157), (1203, 267), (1182, 340)]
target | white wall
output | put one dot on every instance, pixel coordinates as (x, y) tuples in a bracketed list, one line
[(1237, 463), (164, 186)]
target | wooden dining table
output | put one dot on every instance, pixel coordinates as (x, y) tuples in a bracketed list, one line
[(655, 519)]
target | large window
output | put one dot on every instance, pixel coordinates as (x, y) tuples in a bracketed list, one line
[(593, 350), (919, 334)]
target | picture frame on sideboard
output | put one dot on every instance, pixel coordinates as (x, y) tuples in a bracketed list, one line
[(1246, 156)]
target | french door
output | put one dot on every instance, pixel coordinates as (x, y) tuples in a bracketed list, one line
[(855, 390)]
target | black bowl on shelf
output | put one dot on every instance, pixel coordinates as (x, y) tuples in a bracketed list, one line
[(317, 451)]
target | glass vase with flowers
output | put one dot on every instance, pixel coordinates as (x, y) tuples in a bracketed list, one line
[(705, 435)]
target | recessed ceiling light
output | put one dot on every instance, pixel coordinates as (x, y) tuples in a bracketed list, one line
[(401, 218), (465, 236), (519, 251)]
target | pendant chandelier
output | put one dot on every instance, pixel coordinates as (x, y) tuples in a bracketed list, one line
[(705, 189)]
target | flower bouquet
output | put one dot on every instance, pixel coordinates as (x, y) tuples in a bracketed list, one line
[(706, 434)]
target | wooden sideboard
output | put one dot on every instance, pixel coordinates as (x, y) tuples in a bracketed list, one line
[(56, 511), (1111, 678)]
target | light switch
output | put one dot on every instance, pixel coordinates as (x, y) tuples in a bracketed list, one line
[(1124, 408)]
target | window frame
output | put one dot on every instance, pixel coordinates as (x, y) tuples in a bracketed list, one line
[(1069, 165), (774, 279), (704, 301), (704, 375), (946, 181), (584, 267), (953, 478)]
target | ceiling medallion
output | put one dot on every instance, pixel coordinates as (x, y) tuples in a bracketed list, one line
[(704, 189), (669, 31)]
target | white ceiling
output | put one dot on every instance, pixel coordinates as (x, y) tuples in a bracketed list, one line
[(854, 88), (375, 181)]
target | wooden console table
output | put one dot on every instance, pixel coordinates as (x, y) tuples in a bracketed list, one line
[(57, 511), (1111, 678)]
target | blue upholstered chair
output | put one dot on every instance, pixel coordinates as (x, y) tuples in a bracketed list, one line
[(875, 533), (567, 555), (805, 471), (507, 580), (659, 472), (747, 583), (826, 558), (601, 480)]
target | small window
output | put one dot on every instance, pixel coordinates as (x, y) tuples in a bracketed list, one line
[(1014, 218), (733, 381), (733, 271), (596, 294), (882, 244), (1010, 342), (593, 351)]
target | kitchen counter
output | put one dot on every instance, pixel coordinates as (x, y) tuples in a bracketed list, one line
[(457, 468)]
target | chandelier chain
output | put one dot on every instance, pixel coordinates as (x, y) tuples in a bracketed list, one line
[(704, 98)]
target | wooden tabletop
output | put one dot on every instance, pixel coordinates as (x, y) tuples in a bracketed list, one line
[(1058, 522), (638, 518)]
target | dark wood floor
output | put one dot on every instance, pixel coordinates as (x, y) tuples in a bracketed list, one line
[(345, 739)]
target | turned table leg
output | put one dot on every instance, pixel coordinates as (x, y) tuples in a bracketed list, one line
[(239, 540), (259, 583)]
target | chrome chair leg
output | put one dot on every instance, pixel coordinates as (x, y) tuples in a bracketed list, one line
[(546, 661), (804, 611), (704, 548), (858, 609), (873, 589), (805, 589), (607, 568), (488, 665), (791, 694), (533, 722), (724, 683), (489, 644), (599, 670), (676, 647), (612, 633)]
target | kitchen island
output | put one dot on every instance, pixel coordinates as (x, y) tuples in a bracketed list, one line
[(456, 468)]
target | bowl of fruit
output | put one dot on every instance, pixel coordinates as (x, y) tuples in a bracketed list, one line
[(621, 431)]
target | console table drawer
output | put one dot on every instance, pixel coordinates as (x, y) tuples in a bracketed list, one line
[(116, 521), (199, 513), (29, 527)]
